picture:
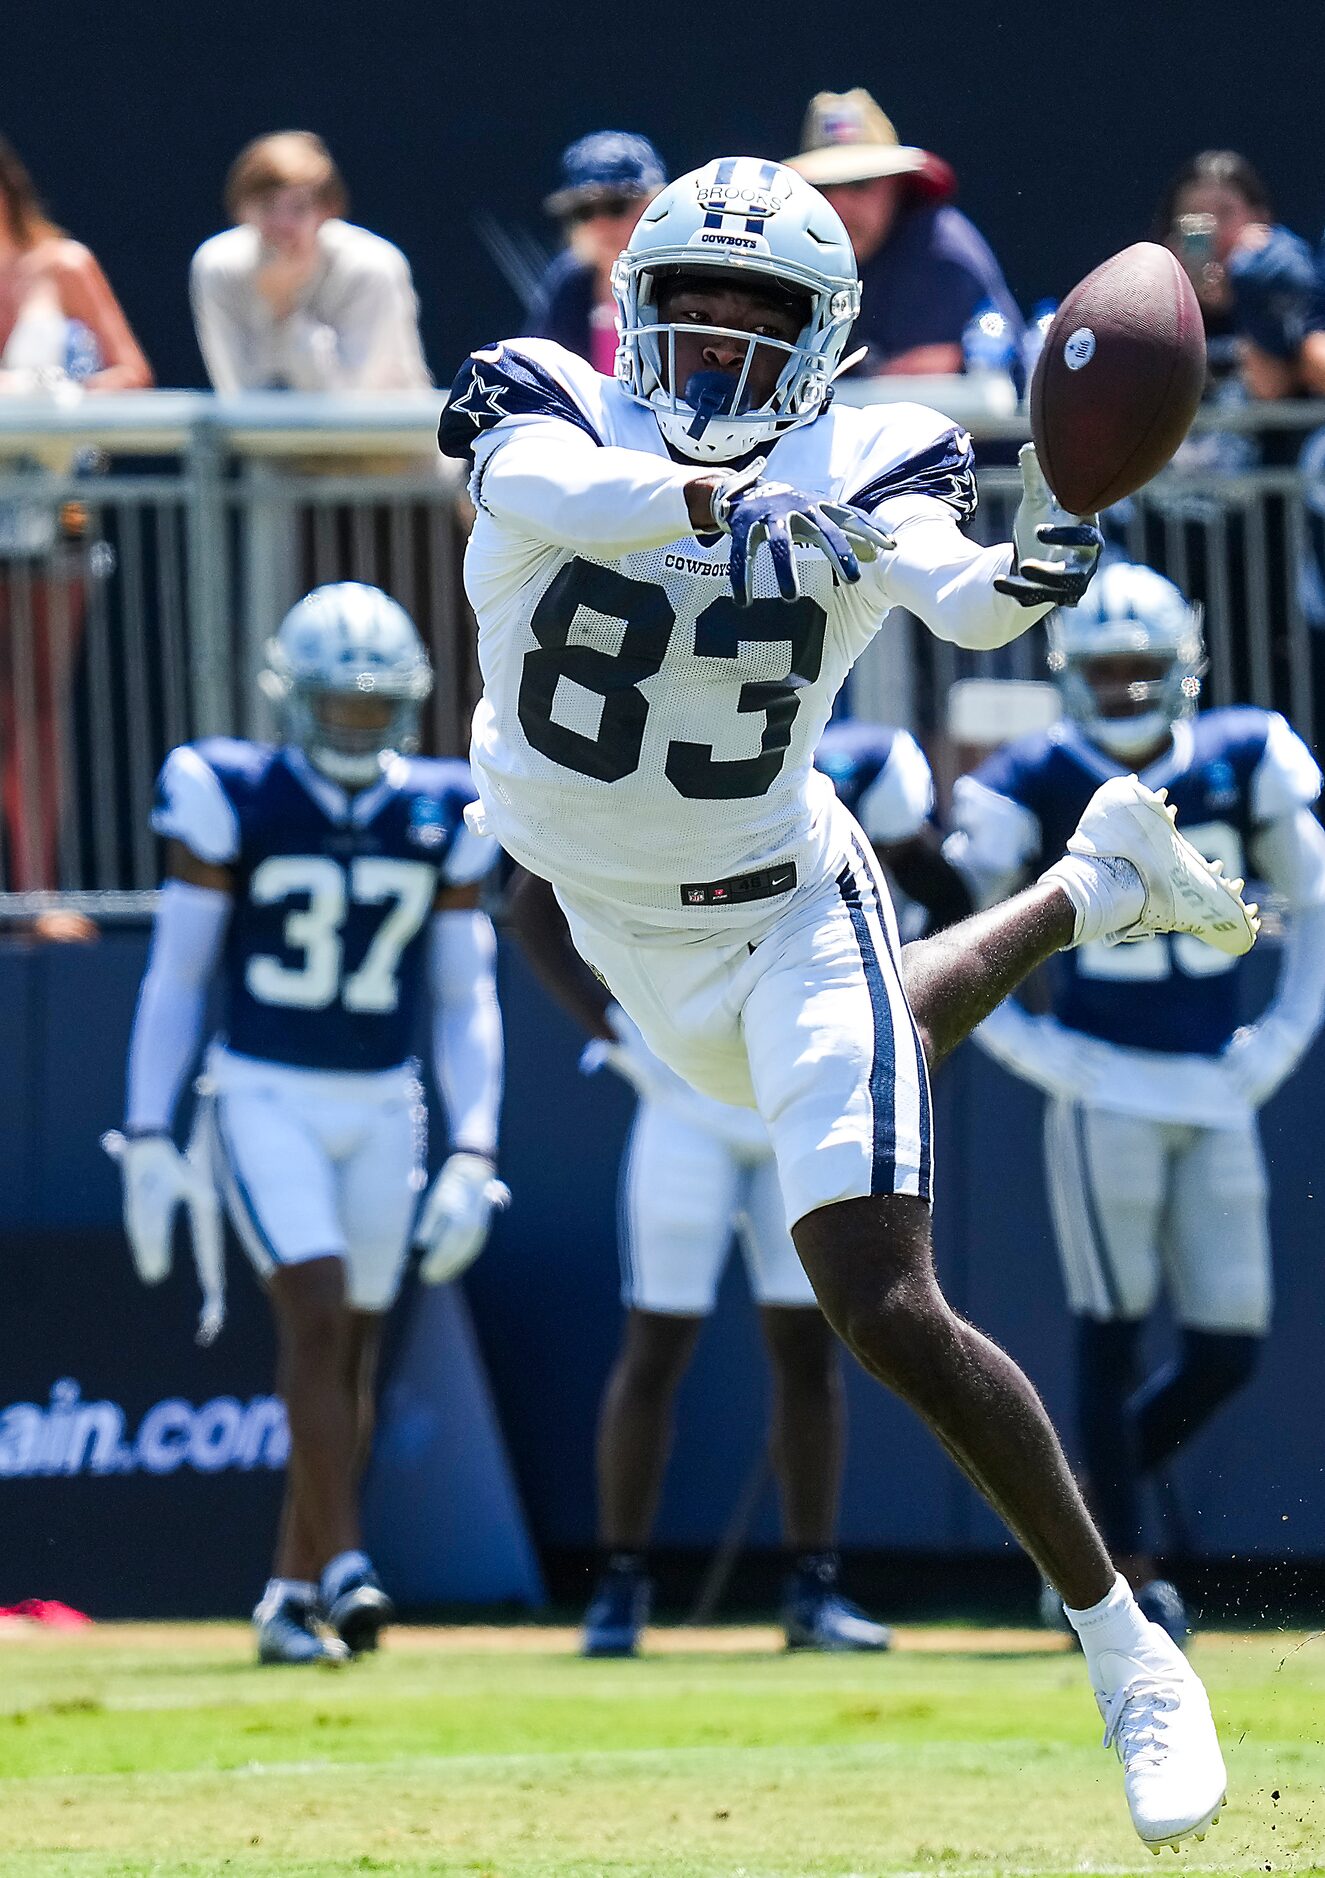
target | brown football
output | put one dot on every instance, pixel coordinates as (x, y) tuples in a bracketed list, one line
[(1119, 379)]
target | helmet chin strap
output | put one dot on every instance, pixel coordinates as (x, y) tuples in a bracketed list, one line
[(1131, 736), (852, 358)]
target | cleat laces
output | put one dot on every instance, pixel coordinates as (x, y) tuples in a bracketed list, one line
[(1134, 1722)]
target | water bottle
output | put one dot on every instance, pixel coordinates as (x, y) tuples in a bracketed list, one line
[(989, 347), (1032, 342), (82, 354)]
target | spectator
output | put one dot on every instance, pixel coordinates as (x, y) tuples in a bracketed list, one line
[(606, 179), (924, 268), (61, 328), (294, 297), (1257, 282)]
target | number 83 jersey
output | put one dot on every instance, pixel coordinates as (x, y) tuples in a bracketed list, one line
[(638, 730), (325, 951)]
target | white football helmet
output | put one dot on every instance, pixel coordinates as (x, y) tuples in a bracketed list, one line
[(1128, 609), (343, 640), (743, 216)]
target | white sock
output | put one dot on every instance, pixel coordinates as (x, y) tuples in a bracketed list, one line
[(339, 1570), (1107, 893), (1115, 1625)]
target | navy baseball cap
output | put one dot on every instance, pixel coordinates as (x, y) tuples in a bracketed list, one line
[(606, 163)]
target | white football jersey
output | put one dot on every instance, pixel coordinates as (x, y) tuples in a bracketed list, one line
[(639, 734)]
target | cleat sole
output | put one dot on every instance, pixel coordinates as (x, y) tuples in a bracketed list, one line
[(1197, 1831)]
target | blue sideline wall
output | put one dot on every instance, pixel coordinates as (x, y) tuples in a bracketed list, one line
[(544, 1300)]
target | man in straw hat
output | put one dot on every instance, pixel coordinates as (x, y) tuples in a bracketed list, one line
[(924, 267)]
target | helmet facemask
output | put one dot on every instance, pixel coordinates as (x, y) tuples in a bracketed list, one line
[(696, 418), (1130, 619), (348, 674), (350, 752), (759, 227)]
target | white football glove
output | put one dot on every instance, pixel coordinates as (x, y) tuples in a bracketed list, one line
[(157, 1179), (1260, 1057), (632, 1058), (457, 1215), (1055, 553)]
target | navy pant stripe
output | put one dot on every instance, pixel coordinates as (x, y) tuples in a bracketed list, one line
[(922, 1068), (239, 1195), (1093, 1222), (883, 1173), (625, 1237)]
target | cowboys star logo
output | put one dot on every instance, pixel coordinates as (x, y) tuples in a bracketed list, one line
[(480, 402)]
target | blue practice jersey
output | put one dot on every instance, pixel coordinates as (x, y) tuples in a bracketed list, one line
[(1229, 773), (882, 776), (325, 952)]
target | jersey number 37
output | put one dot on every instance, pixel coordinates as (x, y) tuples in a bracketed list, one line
[(316, 931)]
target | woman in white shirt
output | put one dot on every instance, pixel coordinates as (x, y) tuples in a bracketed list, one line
[(294, 297)]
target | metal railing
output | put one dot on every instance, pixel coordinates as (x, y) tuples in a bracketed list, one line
[(149, 544)]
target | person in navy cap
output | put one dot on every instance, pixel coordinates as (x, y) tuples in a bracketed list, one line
[(606, 179)]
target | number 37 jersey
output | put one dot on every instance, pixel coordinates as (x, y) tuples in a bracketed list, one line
[(325, 952), (639, 732)]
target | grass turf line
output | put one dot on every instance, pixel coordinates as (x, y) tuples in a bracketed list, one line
[(161, 1752)]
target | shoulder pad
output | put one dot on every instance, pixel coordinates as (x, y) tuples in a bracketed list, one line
[(898, 803), (192, 803), (516, 378), (441, 789), (471, 858), (1287, 776), (851, 742), (1001, 835), (442, 776), (918, 453)]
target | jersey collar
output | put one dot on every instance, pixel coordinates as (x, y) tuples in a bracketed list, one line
[(335, 803), (1168, 764)]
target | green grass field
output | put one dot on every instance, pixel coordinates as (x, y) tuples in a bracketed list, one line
[(136, 1750)]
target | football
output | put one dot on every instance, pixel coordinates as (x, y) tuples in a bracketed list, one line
[(1119, 379)]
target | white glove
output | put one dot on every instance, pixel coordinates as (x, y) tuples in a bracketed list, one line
[(1260, 1057), (1055, 553), (157, 1179), (632, 1058), (457, 1214)]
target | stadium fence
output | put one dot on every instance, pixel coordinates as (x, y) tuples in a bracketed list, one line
[(150, 543)]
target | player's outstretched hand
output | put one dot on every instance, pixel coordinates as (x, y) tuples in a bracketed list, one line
[(1259, 1057), (753, 512), (631, 1058), (1055, 553), (457, 1215), (157, 1179)]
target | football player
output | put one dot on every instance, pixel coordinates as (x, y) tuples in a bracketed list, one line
[(694, 1169), (654, 688), (1154, 1168), (328, 884)]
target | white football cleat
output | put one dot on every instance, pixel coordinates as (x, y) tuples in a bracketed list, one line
[(1184, 892), (1157, 1718)]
